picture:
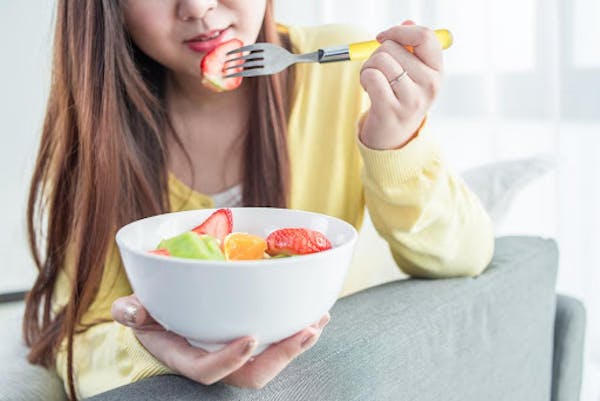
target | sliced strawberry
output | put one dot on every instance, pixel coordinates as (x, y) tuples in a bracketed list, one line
[(213, 67), (219, 225), (162, 252), (296, 241)]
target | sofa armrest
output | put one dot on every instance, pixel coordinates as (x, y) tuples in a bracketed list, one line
[(487, 338), (484, 338), (569, 329)]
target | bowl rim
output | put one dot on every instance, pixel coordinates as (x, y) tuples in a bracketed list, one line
[(237, 263)]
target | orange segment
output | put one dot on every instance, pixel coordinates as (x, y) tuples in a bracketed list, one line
[(242, 246)]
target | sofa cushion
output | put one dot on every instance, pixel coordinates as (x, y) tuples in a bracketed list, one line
[(19, 380)]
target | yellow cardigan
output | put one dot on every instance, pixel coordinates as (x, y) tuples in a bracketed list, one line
[(434, 225)]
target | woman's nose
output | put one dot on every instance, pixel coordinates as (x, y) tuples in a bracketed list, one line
[(195, 9)]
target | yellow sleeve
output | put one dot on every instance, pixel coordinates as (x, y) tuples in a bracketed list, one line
[(435, 226), (106, 355)]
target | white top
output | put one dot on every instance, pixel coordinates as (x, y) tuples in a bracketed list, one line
[(231, 197)]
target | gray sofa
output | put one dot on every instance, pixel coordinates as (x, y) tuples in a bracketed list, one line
[(505, 335)]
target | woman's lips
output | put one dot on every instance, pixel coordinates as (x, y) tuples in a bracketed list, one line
[(204, 46)]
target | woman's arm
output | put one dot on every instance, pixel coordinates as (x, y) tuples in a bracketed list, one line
[(435, 225)]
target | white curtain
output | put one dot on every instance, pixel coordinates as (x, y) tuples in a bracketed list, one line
[(522, 79)]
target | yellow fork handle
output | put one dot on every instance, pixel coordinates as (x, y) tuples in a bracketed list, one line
[(362, 50)]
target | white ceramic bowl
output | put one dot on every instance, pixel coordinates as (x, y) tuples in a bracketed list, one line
[(211, 303)]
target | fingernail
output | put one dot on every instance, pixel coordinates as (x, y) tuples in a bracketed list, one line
[(380, 35), (130, 314), (248, 347), (323, 322), (307, 340)]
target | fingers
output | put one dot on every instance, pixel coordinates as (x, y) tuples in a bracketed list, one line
[(418, 71), (173, 350), (229, 363), (196, 363), (208, 368), (380, 76), (322, 322), (275, 358), (130, 312), (377, 87), (377, 72), (423, 40)]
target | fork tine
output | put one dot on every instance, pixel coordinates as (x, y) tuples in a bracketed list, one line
[(251, 56), (254, 72), (249, 64), (249, 48)]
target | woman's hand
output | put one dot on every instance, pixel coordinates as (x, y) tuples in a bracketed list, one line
[(232, 364), (401, 84)]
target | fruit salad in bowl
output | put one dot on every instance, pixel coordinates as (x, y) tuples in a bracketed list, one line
[(214, 240), (212, 276)]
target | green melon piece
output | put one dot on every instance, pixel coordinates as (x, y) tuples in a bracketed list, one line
[(190, 245)]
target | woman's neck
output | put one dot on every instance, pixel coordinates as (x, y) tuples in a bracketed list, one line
[(212, 127)]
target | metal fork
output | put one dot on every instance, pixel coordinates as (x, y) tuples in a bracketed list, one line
[(267, 58)]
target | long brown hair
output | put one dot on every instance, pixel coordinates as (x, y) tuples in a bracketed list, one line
[(102, 160)]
